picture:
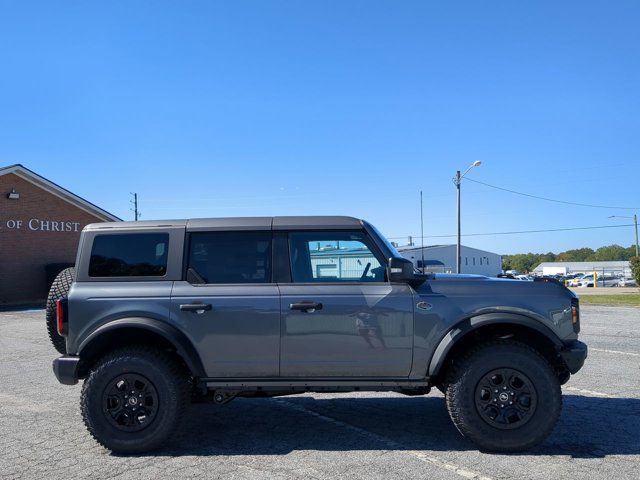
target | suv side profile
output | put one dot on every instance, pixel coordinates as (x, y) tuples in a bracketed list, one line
[(157, 313)]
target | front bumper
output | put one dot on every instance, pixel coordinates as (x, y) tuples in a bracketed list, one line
[(574, 355), (65, 369)]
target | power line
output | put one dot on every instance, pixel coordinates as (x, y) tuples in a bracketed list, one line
[(550, 199), (568, 229)]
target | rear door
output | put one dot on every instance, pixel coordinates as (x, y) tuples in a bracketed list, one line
[(228, 305), (340, 317)]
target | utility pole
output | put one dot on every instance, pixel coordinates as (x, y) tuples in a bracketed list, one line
[(421, 232), (457, 180), (135, 206), (635, 222)]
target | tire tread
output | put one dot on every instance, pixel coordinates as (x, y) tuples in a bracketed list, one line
[(180, 396), (456, 377), (59, 289)]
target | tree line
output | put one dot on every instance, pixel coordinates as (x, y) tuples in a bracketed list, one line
[(526, 262)]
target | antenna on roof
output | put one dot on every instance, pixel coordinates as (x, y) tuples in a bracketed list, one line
[(421, 232)]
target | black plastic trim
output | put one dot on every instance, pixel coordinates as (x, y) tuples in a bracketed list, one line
[(179, 340), (65, 369), (454, 334), (280, 261), (574, 354)]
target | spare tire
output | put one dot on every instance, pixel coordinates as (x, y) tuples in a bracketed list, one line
[(59, 288)]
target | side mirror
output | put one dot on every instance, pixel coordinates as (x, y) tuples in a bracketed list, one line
[(401, 270)]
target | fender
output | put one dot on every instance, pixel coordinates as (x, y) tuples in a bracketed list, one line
[(178, 339), (473, 323)]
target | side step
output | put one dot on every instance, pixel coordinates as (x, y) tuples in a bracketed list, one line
[(315, 385)]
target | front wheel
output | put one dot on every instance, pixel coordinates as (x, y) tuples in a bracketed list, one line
[(503, 396), (134, 399)]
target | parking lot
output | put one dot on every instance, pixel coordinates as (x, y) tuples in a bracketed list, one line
[(357, 435)]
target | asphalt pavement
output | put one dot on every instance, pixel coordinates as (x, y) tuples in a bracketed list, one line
[(320, 436)]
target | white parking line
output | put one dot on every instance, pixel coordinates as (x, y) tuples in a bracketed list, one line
[(617, 352), (392, 445), (588, 392)]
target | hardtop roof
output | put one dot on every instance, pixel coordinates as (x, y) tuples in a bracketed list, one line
[(239, 223)]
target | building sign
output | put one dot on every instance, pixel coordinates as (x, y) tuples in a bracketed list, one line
[(40, 225)]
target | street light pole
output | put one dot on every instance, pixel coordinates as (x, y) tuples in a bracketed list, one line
[(457, 181)]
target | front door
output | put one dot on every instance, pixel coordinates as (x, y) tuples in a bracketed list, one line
[(228, 305), (340, 317)]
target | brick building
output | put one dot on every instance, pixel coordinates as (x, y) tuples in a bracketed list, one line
[(40, 225)]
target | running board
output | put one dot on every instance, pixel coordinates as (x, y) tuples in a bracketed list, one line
[(315, 385)]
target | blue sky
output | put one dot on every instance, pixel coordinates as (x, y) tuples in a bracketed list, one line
[(333, 107)]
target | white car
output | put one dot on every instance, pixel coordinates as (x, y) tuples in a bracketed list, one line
[(524, 277), (627, 282)]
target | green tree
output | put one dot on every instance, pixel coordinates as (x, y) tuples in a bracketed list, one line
[(576, 255), (522, 262), (635, 268), (610, 253)]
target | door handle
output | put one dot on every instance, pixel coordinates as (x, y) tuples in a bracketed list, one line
[(308, 307), (198, 308)]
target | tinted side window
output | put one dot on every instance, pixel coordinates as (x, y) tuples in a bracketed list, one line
[(333, 257), (129, 255), (231, 257)]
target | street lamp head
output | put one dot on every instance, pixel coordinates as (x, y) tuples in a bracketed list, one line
[(477, 163)]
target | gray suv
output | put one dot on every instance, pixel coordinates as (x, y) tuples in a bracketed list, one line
[(158, 314)]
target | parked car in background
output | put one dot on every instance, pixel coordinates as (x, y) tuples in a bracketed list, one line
[(575, 281), (626, 282), (602, 281), (526, 278)]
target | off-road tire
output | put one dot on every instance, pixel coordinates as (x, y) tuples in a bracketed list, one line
[(59, 288), (465, 375), (167, 377)]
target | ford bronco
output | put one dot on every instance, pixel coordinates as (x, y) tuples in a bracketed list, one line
[(158, 313)]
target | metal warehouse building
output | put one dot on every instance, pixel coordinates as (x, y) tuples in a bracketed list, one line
[(566, 268), (442, 259), (40, 225)]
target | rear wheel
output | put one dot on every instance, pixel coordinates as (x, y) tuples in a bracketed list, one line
[(59, 289), (504, 396), (134, 399)]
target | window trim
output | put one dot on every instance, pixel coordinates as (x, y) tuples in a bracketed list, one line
[(106, 278), (187, 256), (174, 259), (375, 250)]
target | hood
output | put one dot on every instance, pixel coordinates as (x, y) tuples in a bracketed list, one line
[(462, 284)]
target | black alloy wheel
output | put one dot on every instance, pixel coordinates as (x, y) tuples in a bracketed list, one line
[(130, 402), (506, 398)]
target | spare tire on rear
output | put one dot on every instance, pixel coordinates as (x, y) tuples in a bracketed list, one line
[(59, 288)]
